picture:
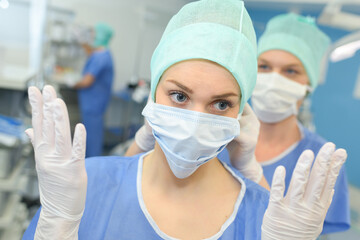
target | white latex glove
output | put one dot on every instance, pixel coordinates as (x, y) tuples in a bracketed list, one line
[(144, 137), (301, 213), (60, 166), (242, 148)]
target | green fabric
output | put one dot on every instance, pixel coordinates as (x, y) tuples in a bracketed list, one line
[(103, 34), (299, 36), (217, 30)]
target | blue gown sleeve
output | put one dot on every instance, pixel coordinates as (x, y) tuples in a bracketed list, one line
[(30, 231), (338, 216), (95, 65)]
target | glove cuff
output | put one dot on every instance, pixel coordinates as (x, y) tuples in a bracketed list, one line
[(53, 227)]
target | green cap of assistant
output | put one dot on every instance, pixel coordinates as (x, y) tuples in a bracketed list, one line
[(299, 36), (103, 34), (216, 30)]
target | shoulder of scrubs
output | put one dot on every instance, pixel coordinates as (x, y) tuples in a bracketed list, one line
[(98, 61), (105, 175), (248, 221), (338, 216)]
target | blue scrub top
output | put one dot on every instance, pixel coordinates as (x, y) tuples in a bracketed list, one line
[(338, 216), (95, 98), (115, 209)]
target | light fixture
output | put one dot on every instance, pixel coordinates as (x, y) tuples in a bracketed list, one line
[(346, 47), (345, 51), (4, 4)]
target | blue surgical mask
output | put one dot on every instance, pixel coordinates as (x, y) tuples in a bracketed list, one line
[(188, 138)]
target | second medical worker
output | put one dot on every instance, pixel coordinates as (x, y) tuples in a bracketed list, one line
[(290, 53), (94, 90)]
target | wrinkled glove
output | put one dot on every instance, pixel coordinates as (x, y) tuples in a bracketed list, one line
[(301, 213), (144, 137), (60, 166), (242, 148)]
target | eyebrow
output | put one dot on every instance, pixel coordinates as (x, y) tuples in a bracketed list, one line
[(231, 94), (225, 95), (180, 86), (289, 65)]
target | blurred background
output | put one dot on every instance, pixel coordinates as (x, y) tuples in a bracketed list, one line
[(38, 47)]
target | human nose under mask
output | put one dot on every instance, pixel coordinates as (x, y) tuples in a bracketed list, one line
[(188, 138), (275, 97)]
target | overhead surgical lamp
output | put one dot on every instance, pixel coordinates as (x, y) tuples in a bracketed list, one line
[(346, 47)]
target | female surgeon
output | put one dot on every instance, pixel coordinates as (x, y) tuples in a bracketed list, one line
[(203, 72), (289, 58), (94, 90)]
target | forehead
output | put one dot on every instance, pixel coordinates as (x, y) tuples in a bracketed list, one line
[(279, 58), (201, 72)]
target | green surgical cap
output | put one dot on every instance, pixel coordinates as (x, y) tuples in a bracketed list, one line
[(216, 30), (103, 34), (299, 36)]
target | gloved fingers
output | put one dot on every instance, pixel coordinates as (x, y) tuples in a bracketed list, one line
[(36, 103), (49, 95), (30, 133), (319, 174), (79, 142), (329, 200), (147, 126), (278, 185), (62, 128), (248, 116), (300, 176), (145, 139), (248, 111), (338, 158)]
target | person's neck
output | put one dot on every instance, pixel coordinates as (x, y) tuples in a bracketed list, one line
[(157, 172), (276, 137)]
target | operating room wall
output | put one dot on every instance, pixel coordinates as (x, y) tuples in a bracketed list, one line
[(336, 112), (14, 35)]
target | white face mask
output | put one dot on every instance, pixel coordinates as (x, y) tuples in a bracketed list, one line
[(275, 97), (188, 138)]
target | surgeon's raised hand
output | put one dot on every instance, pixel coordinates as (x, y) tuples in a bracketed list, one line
[(242, 148), (301, 213), (60, 166)]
